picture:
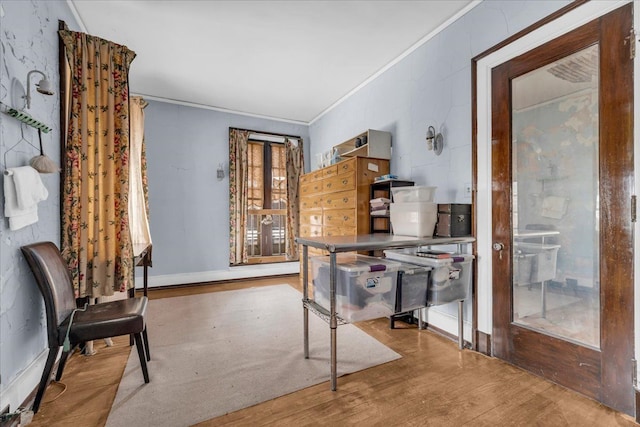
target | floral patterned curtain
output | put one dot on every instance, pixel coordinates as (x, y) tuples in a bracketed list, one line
[(96, 240), (238, 180), (138, 188), (295, 168)]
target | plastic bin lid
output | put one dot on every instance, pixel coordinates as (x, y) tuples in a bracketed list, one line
[(360, 263), (409, 268), (409, 255)]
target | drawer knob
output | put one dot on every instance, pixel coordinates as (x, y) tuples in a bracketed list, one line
[(345, 200), (345, 218), (344, 181)]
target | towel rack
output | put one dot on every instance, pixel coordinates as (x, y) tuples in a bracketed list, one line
[(25, 118)]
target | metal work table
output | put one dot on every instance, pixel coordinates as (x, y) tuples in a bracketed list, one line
[(365, 242)]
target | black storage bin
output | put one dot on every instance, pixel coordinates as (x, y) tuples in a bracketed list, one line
[(411, 290)]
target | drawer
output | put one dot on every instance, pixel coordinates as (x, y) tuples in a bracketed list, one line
[(311, 218), (339, 231), (330, 171), (312, 188), (341, 200), (347, 166), (307, 230), (317, 252), (311, 176), (310, 202), (340, 218), (345, 181)]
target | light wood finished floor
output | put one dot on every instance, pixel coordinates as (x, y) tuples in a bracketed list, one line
[(433, 384)]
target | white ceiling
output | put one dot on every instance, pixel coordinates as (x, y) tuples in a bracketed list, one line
[(289, 60)]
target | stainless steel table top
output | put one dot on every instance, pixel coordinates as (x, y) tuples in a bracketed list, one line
[(367, 242)]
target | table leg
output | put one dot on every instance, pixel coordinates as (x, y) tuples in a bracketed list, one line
[(305, 296), (460, 325), (543, 292), (333, 320)]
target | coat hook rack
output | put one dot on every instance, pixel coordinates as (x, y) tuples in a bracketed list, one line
[(25, 118)]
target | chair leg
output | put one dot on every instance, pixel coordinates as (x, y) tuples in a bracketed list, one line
[(141, 355), (44, 380), (62, 363), (146, 343)]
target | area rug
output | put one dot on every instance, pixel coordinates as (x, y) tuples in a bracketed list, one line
[(215, 353)]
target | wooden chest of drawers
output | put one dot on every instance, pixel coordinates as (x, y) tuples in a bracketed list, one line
[(334, 201)]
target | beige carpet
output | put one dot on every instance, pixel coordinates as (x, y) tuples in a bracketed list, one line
[(219, 352)]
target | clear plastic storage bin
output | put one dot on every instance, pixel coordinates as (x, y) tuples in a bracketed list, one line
[(365, 286), (450, 278), (541, 258)]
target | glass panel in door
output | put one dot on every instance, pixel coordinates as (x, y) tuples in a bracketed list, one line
[(555, 199)]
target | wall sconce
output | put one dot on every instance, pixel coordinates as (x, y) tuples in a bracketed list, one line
[(44, 86), (220, 172), (435, 141)]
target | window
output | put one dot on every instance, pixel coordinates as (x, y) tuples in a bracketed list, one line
[(266, 230)]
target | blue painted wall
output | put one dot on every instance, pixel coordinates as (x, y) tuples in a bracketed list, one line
[(29, 41), (189, 207)]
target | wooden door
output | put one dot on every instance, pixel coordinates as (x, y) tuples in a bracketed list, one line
[(562, 181)]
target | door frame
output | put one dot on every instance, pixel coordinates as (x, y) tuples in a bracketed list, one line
[(567, 19)]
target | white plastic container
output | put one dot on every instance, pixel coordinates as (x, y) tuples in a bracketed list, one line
[(416, 193), (416, 219), (450, 278), (365, 286)]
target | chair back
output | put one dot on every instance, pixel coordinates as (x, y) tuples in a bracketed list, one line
[(54, 280)]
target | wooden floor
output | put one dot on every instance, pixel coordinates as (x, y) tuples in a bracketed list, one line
[(433, 384)]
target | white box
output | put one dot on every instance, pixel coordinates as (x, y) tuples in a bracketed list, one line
[(365, 286), (416, 219), (416, 193)]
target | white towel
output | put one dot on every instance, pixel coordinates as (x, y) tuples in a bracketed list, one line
[(29, 187), (18, 217)]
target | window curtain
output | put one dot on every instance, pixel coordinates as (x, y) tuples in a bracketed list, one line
[(238, 180), (96, 240), (295, 168), (138, 188)]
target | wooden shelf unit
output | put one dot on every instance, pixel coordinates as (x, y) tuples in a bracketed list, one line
[(378, 145), (382, 224)]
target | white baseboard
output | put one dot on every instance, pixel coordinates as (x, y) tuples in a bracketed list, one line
[(446, 322), (242, 272), (21, 387)]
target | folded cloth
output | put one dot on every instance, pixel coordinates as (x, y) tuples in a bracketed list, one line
[(21, 217), (29, 187), (18, 218)]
